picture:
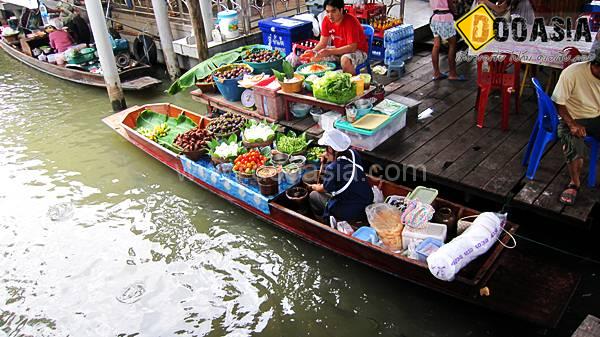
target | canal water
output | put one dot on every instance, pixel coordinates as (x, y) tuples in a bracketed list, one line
[(99, 239)]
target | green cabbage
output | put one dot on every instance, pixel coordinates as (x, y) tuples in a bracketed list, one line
[(335, 87)]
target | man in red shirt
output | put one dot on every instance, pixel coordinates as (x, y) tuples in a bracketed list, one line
[(350, 45)]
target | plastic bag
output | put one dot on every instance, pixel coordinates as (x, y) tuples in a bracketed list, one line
[(447, 261), (386, 220), (377, 195), (292, 58), (342, 226), (417, 214)]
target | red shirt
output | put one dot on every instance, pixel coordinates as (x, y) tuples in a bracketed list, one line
[(346, 32), (60, 40)]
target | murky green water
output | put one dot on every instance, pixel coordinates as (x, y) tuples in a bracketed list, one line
[(99, 239)]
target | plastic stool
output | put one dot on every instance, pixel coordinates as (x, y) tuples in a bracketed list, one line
[(397, 67)]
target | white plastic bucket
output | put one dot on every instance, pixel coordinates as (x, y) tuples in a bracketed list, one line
[(228, 24)]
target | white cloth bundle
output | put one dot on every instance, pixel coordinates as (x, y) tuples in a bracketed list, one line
[(447, 261)]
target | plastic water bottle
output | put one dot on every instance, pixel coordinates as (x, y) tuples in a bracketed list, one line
[(44, 14)]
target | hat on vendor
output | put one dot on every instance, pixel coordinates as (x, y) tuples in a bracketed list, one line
[(335, 139)]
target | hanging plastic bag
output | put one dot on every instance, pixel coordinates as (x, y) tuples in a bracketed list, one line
[(377, 195), (447, 261), (292, 58), (342, 226)]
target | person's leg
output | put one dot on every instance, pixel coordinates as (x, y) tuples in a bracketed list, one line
[(435, 56), (452, 58), (347, 65), (574, 150), (350, 61), (318, 202)]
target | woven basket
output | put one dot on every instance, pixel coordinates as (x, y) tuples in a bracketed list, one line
[(463, 223), (257, 144), (218, 160)]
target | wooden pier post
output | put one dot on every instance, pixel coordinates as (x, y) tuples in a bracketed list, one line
[(198, 29), (166, 38), (105, 53)]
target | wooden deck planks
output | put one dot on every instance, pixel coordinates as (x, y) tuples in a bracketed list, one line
[(488, 160)]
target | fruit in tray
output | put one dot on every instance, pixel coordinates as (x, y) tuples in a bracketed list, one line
[(307, 56), (226, 124), (232, 71), (261, 55), (159, 130), (248, 162), (206, 80), (193, 140)]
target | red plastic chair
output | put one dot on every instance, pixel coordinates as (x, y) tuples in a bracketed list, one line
[(500, 71), (569, 54)]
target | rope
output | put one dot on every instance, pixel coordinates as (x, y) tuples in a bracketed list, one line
[(587, 259), (505, 207)]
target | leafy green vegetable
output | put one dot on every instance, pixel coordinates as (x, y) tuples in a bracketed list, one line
[(335, 87), (315, 153), (292, 144), (288, 72), (206, 67), (148, 120)]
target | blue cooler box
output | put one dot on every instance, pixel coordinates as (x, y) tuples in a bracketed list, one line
[(280, 33)]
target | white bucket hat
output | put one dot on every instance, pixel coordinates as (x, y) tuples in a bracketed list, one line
[(338, 140)]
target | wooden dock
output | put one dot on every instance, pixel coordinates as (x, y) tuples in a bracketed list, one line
[(450, 152)]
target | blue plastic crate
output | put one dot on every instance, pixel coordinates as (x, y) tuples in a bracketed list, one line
[(377, 49), (280, 33)]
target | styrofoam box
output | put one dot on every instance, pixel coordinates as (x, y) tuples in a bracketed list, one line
[(368, 143), (432, 230)]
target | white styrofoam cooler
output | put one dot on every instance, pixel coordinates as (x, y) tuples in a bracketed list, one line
[(432, 230), (369, 143)]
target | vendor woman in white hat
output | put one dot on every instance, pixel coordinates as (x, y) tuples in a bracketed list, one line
[(345, 191)]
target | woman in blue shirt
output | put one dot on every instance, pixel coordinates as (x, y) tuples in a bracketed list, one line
[(345, 191)]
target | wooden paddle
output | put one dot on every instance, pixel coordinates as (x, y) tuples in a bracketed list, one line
[(320, 170)]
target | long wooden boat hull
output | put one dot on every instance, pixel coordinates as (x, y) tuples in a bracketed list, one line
[(522, 283), (131, 79)]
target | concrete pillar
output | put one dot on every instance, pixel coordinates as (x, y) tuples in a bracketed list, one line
[(207, 19), (105, 53), (166, 38)]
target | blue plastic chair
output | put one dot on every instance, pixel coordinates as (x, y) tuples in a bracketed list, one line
[(544, 130), (594, 147), (369, 32)]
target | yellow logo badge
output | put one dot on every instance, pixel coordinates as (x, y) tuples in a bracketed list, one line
[(477, 27)]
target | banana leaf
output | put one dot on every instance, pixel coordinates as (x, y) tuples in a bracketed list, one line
[(149, 119), (206, 67)]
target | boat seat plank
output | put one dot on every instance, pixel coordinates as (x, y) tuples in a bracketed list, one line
[(140, 83)]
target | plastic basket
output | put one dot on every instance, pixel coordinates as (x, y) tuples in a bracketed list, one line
[(267, 67)]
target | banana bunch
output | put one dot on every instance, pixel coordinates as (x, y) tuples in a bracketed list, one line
[(150, 134), (161, 130), (158, 131)]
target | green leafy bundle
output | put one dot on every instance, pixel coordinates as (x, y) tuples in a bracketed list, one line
[(206, 67), (149, 120), (291, 143), (335, 87), (288, 72)]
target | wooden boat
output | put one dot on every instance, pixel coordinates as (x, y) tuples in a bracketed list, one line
[(131, 79), (519, 281)]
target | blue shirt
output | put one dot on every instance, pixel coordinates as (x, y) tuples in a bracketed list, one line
[(350, 204)]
